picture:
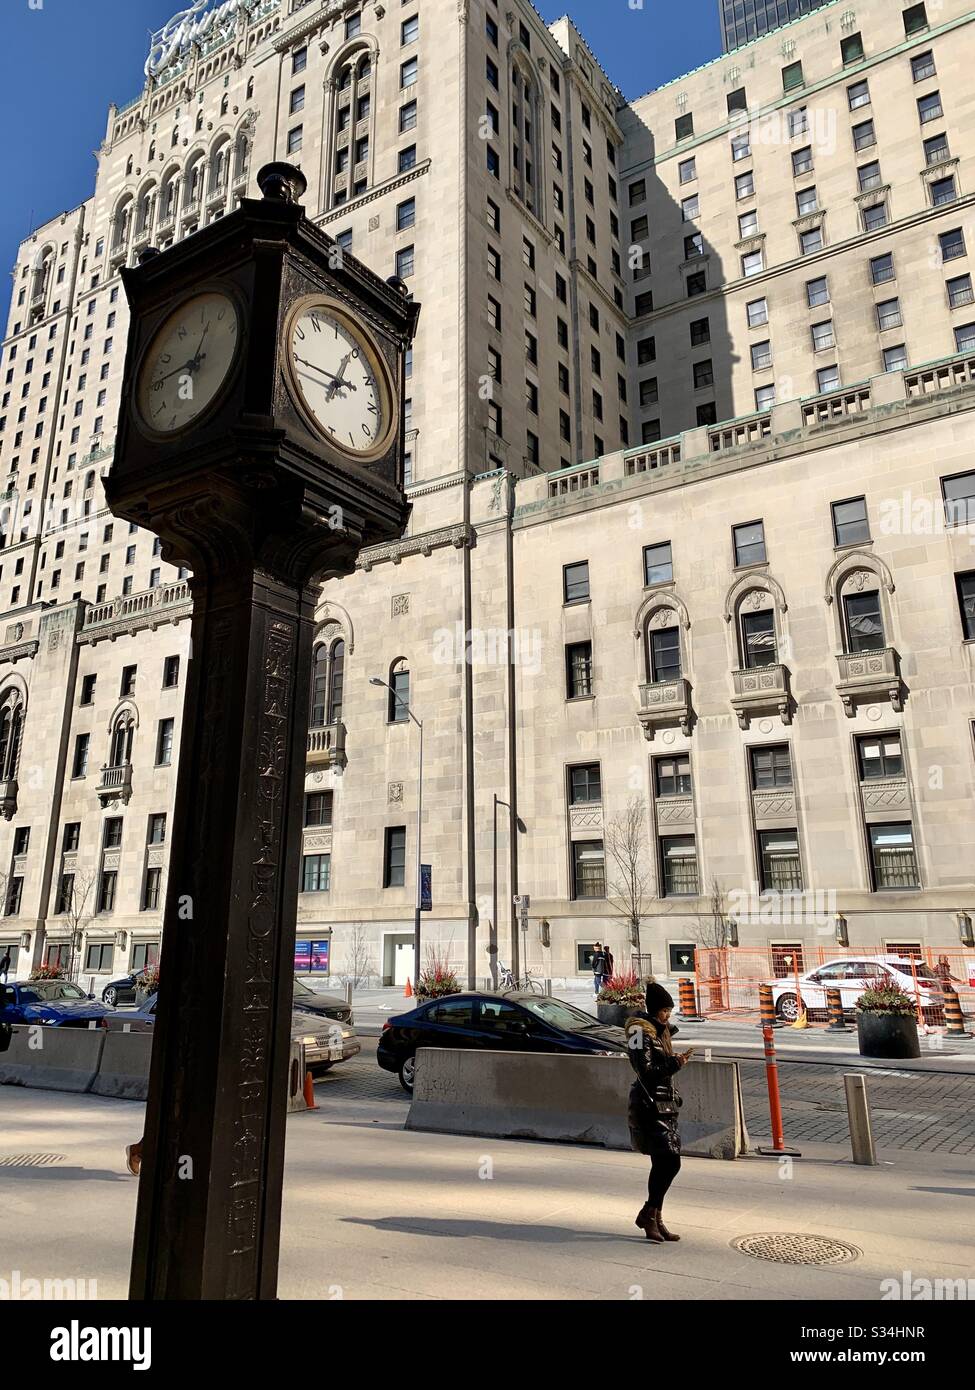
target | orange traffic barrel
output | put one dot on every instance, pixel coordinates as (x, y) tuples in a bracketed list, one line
[(954, 1017), (766, 1005), (687, 1009), (837, 1019)]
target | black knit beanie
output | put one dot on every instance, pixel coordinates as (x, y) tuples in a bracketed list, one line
[(657, 998)]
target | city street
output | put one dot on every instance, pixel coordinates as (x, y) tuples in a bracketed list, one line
[(373, 1211)]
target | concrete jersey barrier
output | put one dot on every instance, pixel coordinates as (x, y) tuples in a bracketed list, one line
[(582, 1100), (52, 1059), (124, 1068)]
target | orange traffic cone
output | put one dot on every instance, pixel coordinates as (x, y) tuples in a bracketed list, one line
[(408, 991), (310, 1102)]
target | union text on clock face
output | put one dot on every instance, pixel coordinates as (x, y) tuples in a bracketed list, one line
[(188, 361), (338, 380)]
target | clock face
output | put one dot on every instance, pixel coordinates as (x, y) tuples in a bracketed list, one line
[(188, 362), (340, 378)]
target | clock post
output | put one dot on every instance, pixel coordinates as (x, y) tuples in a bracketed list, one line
[(244, 474)]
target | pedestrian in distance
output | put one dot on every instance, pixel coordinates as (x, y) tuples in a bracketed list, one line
[(601, 969), (5, 965), (654, 1103)]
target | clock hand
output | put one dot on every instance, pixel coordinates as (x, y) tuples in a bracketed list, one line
[(186, 367), (340, 379), (315, 368)]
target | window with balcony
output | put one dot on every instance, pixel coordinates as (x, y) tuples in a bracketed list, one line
[(758, 641), (863, 622), (663, 654), (892, 857)]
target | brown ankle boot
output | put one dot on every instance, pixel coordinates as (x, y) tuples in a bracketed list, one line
[(667, 1235), (641, 1216), (650, 1227)]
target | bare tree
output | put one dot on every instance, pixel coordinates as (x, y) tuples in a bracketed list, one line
[(77, 914), (712, 925), (358, 958), (629, 884)]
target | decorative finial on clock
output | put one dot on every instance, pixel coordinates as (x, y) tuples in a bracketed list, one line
[(282, 181)]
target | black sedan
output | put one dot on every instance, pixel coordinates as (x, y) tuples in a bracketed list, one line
[(494, 1023), (333, 1006), (122, 990)]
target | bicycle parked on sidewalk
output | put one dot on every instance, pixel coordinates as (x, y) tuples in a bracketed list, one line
[(526, 985)]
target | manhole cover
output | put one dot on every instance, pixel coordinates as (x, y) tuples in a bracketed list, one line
[(29, 1160), (788, 1249)]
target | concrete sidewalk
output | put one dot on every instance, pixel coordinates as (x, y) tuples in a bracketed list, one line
[(373, 1211)]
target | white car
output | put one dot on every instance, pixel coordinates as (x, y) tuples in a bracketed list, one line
[(851, 977)]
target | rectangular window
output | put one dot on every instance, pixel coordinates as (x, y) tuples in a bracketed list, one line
[(851, 49), (850, 523), (690, 208), (741, 147), (318, 808), (744, 185), (817, 292), (858, 94), (170, 672), (664, 654), (406, 214), (966, 604), (703, 374), (106, 890), (810, 242), (658, 564), (936, 149), (672, 776), (757, 313), (79, 766), (771, 767), (749, 542), (678, 858), (65, 898), (802, 160), (584, 785), (747, 225), (874, 217), (929, 107), (295, 138), (408, 72), (943, 191), (157, 828), (578, 670), (869, 176), (87, 689), (700, 333), (895, 358), (684, 127), (99, 954), (965, 338), (828, 379), (892, 857), (791, 77), (864, 136), (779, 861), (410, 30), (761, 356), (822, 335), (922, 66), (71, 836), (164, 742), (150, 892), (765, 397), (807, 201), (588, 869), (752, 264), (889, 314), (394, 857), (959, 495), (880, 756), (316, 872), (575, 582), (882, 269), (405, 263), (952, 244), (687, 170)]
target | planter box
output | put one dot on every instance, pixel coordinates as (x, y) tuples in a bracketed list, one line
[(887, 1035), (616, 1014)]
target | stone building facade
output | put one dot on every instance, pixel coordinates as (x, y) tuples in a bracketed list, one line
[(690, 550)]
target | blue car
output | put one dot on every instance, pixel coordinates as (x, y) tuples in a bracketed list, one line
[(57, 1003)]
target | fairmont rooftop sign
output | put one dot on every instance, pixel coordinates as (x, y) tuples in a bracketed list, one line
[(197, 23)]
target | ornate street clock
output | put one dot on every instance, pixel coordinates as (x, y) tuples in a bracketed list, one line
[(261, 437)]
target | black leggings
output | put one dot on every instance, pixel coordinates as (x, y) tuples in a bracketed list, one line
[(663, 1170)]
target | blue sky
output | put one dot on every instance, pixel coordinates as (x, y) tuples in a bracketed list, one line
[(67, 59)]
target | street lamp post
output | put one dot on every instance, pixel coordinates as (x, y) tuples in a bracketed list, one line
[(376, 680)]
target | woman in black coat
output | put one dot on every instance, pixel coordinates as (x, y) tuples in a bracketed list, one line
[(654, 1103)]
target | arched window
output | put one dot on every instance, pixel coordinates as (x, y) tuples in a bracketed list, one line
[(199, 120), (128, 165), (242, 155), (319, 686), (662, 645), (146, 208), (175, 139), (152, 150), (250, 88), (169, 198), (336, 682), (349, 126), (526, 117), (122, 734), (224, 101), (757, 637), (122, 222), (399, 694), (11, 729)]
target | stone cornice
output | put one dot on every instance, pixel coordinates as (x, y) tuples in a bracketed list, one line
[(424, 544), (135, 622), (378, 191), (17, 650)]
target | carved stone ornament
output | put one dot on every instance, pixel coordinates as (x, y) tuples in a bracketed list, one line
[(395, 792), (401, 605)]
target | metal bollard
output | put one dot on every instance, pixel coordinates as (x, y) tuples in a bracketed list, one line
[(548, 989), (348, 991), (837, 1019), (687, 1008), (858, 1110), (954, 1017)]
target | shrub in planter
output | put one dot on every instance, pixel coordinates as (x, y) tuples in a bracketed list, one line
[(623, 994), (48, 972), (887, 1023), (436, 980)]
